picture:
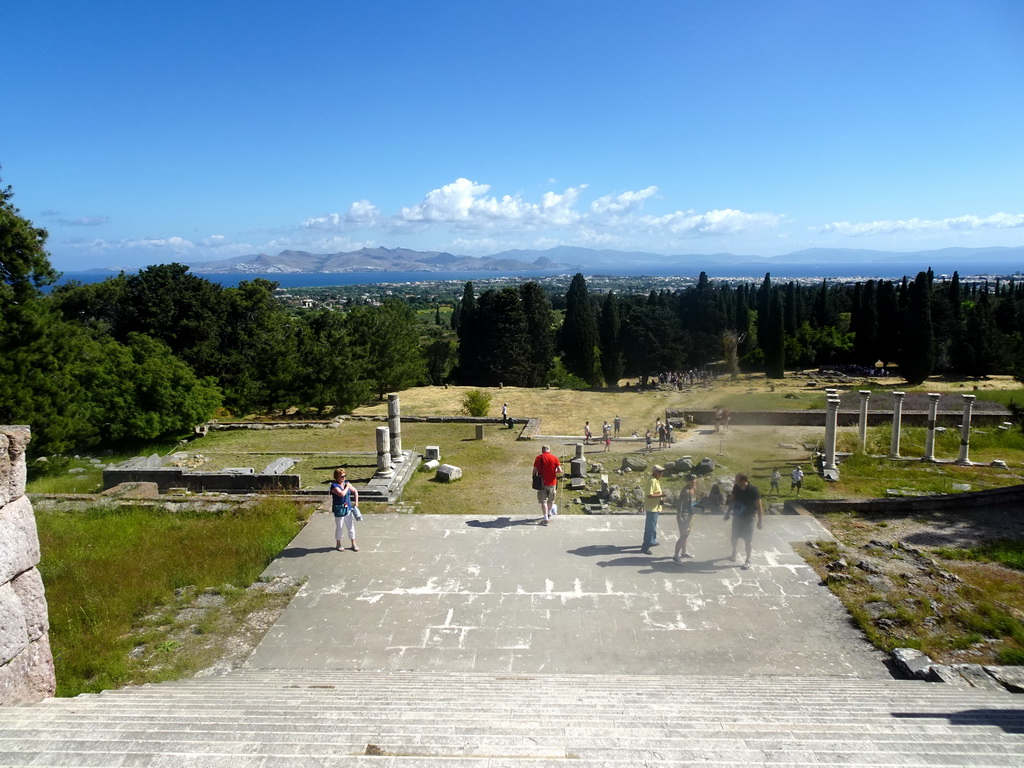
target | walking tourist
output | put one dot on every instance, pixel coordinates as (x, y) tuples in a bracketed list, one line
[(744, 506), (547, 467), (775, 478), (618, 424), (684, 516)]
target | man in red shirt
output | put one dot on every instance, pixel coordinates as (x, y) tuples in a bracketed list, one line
[(548, 468)]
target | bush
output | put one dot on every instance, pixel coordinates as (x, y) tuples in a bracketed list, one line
[(476, 403), (560, 377)]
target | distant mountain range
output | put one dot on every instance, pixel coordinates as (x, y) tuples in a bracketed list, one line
[(825, 261), (373, 260)]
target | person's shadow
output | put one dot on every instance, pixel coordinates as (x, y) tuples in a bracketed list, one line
[(501, 522), (293, 552)]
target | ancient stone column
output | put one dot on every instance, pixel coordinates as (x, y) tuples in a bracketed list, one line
[(831, 422), (965, 430), (383, 453), (865, 395), (395, 425), (897, 418), (579, 451), (929, 438)]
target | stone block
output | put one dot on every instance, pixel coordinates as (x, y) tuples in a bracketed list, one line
[(578, 467), (29, 676), (429, 466), (13, 441), (480, 432), (1011, 678), (13, 630), (29, 588), (912, 662), (447, 473), (19, 539), (433, 452), (279, 466)]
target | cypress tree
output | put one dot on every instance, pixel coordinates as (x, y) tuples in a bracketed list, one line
[(470, 367), (612, 364), (774, 344), (918, 355), (579, 331), (541, 341)]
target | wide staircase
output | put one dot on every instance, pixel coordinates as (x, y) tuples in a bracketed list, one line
[(284, 718)]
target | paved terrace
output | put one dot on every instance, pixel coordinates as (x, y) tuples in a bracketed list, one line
[(433, 593)]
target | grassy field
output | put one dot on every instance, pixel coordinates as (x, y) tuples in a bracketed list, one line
[(116, 580)]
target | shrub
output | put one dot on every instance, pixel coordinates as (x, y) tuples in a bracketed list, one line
[(476, 403)]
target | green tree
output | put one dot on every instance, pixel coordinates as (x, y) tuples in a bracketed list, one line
[(917, 361), (332, 375), (393, 357), (579, 332), (610, 334), (540, 333)]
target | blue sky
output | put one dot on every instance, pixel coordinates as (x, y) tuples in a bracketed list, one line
[(141, 133)]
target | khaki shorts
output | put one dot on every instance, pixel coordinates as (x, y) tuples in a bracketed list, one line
[(546, 494)]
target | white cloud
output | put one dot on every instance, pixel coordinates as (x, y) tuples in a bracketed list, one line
[(178, 244), (361, 213), (717, 222), (622, 203), (464, 204), (958, 223), (85, 221)]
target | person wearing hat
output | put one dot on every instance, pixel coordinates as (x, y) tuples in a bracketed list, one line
[(684, 516), (548, 469), (652, 506)]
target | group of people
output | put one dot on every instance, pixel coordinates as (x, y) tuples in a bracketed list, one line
[(680, 379), (743, 506), (608, 431), (796, 481)]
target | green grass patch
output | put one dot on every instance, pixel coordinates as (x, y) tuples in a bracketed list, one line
[(107, 570), (1005, 552)]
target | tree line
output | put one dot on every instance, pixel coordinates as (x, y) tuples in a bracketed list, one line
[(144, 356), (923, 326)]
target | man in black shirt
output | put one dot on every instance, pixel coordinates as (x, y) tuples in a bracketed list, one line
[(744, 505)]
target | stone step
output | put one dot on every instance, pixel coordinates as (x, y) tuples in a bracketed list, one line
[(281, 717)]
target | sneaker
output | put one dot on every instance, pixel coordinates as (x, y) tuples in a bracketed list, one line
[(687, 555), (678, 560), (732, 558), (746, 566)]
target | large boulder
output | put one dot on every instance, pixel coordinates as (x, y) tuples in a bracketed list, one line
[(705, 467), (633, 464)]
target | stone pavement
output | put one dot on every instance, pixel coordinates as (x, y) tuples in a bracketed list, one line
[(437, 593)]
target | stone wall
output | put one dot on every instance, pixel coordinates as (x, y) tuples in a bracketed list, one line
[(26, 663)]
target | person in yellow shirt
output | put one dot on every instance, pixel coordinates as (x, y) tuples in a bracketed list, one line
[(652, 506)]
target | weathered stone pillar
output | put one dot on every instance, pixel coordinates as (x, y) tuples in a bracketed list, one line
[(929, 438), (384, 453), (865, 395), (395, 425), (897, 418), (965, 430), (579, 451), (26, 662), (831, 422)]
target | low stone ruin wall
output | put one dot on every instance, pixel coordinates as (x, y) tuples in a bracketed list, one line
[(201, 482), (26, 663), (816, 418), (960, 502)]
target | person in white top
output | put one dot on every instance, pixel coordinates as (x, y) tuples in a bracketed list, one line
[(796, 480)]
